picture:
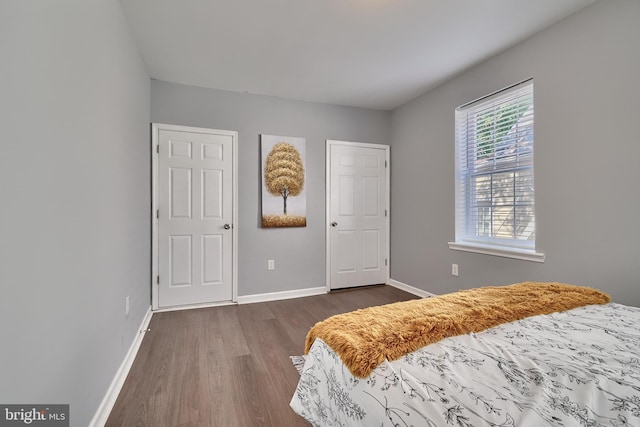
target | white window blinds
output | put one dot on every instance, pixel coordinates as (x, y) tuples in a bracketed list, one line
[(494, 170)]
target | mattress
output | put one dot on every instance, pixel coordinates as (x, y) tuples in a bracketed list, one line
[(575, 368)]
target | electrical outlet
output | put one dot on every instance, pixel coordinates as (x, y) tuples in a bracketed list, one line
[(271, 264), (126, 307), (454, 269)]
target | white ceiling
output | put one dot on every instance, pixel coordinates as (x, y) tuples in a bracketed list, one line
[(366, 53)]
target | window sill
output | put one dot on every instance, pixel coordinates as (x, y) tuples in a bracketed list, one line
[(522, 254)]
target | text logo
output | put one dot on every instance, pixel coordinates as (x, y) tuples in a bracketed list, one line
[(34, 415)]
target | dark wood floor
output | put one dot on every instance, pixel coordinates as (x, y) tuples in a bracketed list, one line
[(229, 366)]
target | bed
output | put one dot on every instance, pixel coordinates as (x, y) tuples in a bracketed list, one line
[(576, 367)]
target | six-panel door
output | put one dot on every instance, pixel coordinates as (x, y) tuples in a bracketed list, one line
[(358, 234), (195, 217)]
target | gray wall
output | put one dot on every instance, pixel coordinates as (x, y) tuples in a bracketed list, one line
[(587, 101), (74, 168), (299, 253)]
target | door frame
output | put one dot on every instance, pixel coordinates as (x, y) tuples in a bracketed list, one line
[(155, 141), (387, 150)]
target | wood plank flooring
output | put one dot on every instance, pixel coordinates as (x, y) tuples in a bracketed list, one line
[(229, 366)]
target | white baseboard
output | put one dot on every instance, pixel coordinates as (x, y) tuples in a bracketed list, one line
[(275, 296), (102, 414), (410, 289)]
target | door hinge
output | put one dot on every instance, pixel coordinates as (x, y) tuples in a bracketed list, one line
[(385, 163), (158, 213), (158, 148), (385, 212), (157, 280), (385, 261)]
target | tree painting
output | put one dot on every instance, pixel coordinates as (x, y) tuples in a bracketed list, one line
[(284, 172), (283, 180)]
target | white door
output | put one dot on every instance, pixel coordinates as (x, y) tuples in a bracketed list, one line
[(195, 212), (357, 214)]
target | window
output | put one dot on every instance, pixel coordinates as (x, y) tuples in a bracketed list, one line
[(495, 203)]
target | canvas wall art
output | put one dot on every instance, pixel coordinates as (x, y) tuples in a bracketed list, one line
[(284, 199)]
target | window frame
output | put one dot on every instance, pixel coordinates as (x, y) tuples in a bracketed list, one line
[(472, 242)]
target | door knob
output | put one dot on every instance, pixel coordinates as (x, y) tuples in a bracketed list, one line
[(227, 226), (334, 224)]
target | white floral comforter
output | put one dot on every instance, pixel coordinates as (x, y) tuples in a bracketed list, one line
[(576, 368)]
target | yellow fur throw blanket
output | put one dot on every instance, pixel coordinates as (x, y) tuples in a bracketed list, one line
[(365, 338)]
